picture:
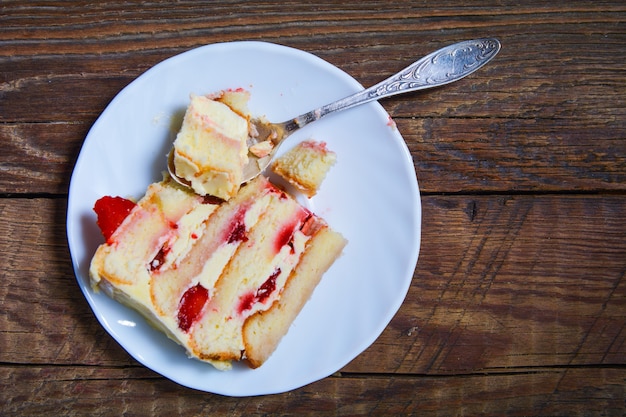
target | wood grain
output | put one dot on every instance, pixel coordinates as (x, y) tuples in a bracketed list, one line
[(509, 282), (138, 391), (502, 284), (518, 303), (450, 155), (528, 121)]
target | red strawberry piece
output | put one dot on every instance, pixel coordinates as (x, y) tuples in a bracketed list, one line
[(111, 212), (191, 304)]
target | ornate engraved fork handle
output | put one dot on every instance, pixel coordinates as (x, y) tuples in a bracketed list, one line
[(441, 67)]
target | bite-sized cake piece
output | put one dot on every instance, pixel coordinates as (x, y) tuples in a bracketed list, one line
[(225, 279), (305, 165), (211, 149)]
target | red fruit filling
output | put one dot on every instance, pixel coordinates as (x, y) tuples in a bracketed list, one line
[(311, 225), (237, 229), (267, 287), (159, 259), (191, 304), (111, 212), (210, 199), (238, 233), (318, 146), (262, 293), (245, 302), (285, 234)]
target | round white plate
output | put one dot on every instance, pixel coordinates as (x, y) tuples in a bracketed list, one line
[(371, 196)]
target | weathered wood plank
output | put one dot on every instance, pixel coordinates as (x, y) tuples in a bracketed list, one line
[(450, 155), (39, 157), (98, 50), (518, 303), (512, 282), (77, 88), (547, 118), (512, 155), (137, 391), (502, 283)]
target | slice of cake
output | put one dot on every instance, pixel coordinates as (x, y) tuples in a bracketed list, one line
[(305, 165), (225, 279), (210, 149)]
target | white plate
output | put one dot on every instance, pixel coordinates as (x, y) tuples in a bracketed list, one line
[(371, 196)]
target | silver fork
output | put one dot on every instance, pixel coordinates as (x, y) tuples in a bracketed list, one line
[(438, 68)]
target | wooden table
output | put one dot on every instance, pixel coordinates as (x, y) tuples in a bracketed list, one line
[(518, 302)]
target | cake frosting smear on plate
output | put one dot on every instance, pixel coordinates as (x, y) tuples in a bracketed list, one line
[(223, 272)]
